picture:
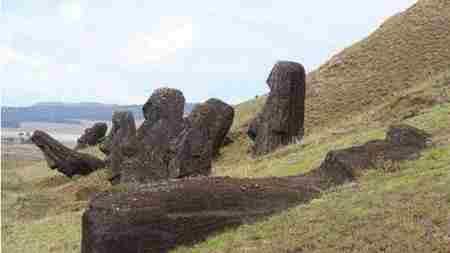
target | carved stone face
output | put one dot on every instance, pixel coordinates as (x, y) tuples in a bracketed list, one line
[(164, 103), (285, 73)]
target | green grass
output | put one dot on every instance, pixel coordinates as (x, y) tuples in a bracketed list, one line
[(406, 51), (41, 209), (404, 211), (57, 233), (400, 73)]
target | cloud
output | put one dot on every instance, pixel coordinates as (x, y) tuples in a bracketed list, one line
[(172, 35), (71, 11), (7, 55)]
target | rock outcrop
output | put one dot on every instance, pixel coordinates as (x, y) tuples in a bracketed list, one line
[(92, 135), (64, 159), (158, 217), (281, 120), (120, 142)]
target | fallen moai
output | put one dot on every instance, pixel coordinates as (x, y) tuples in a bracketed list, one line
[(64, 159), (158, 217), (281, 121), (155, 218), (92, 135), (402, 142)]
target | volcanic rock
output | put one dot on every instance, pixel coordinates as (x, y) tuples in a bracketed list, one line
[(64, 159), (204, 132), (163, 114), (282, 118), (160, 216), (164, 104), (220, 122), (157, 217), (123, 131), (402, 142), (120, 143), (92, 136)]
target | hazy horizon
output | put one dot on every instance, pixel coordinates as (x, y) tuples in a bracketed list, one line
[(117, 52)]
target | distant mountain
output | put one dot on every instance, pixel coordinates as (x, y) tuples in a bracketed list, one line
[(72, 113)]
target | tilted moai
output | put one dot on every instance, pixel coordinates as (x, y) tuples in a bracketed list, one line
[(281, 120)]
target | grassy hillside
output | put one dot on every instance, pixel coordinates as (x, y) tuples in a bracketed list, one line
[(401, 73), (408, 49), (402, 208)]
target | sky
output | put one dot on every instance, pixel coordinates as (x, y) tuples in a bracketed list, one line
[(118, 52)]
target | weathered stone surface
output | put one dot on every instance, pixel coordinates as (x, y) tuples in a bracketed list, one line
[(92, 135), (164, 104), (192, 154), (402, 142), (204, 132), (123, 131), (163, 114), (151, 161), (64, 159), (120, 142), (155, 218), (220, 124), (158, 217), (282, 118), (407, 136)]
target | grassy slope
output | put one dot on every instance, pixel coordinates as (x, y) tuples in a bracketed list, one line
[(406, 50), (42, 210), (400, 208), (405, 210)]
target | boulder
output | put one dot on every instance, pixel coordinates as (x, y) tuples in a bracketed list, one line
[(281, 120), (92, 136), (158, 217), (64, 159)]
